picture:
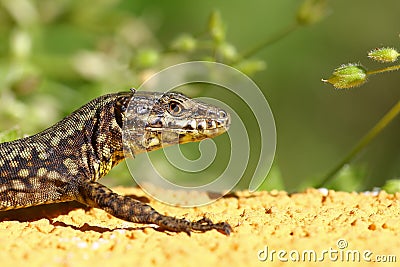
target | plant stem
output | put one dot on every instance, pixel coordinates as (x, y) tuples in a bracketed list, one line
[(273, 39), (391, 68), (382, 123)]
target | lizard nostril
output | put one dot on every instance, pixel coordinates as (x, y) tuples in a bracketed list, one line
[(227, 121), (222, 114), (224, 118)]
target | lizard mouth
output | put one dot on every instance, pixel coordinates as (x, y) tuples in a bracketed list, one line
[(207, 132), (166, 131), (155, 138), (219, 123), (204, 129), (208, 126)]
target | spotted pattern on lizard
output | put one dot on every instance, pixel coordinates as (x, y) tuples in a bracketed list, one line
[(64, 162)]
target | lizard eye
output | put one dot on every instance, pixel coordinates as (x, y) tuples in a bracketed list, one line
[(175, 108)]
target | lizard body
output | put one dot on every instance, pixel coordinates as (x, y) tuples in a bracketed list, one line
[(64, 162)]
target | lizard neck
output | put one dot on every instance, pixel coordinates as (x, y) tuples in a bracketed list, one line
[(106, 134)]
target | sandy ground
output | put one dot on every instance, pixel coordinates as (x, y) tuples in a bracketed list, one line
[(270, 228)]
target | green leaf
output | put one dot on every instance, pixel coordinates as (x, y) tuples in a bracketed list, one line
[(10, 135), (392, 186)]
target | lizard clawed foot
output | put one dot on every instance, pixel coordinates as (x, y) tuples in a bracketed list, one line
[(206, 224), (183, 225)]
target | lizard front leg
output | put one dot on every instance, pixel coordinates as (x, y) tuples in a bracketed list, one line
[(97, 195)]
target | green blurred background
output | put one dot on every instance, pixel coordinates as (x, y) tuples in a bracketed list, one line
[(57, 55)]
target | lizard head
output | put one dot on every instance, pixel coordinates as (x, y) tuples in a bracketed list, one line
[(155, 120)]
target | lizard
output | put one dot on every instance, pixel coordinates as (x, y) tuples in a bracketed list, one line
[(64, 162)]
